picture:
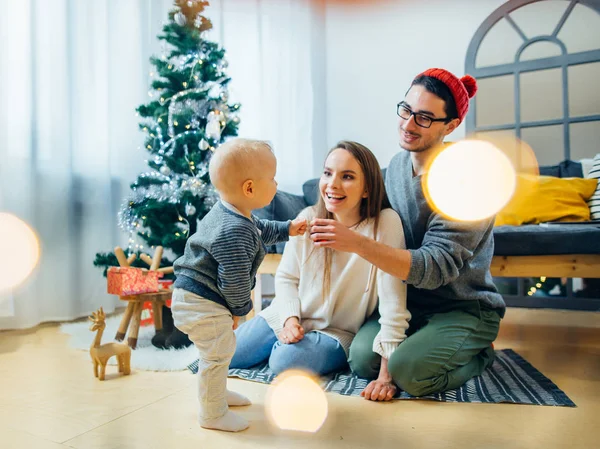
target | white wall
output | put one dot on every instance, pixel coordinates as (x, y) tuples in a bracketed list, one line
[(374, 50)]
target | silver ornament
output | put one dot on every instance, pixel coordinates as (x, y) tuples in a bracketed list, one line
[(222, 64), (180, 19), (213, 125), (165, 170), (203, 145), (190, 210), (215, 90)]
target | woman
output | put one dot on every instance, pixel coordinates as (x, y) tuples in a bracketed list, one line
[(322, 296)]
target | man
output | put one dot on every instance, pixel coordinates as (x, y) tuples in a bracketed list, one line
[(456, 309)]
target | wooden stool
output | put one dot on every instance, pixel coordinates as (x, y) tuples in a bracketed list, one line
[(133, 314), (136, 302)]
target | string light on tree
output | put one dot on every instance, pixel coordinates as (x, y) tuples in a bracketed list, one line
[(190, 210)]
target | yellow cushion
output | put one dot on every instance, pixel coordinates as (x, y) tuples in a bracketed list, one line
[(538, 199)]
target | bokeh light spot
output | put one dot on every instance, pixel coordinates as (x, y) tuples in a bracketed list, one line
[(20, 251), (470, 180), (295, 401)]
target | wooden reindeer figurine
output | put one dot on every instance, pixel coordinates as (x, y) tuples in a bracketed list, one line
[(101, 353)]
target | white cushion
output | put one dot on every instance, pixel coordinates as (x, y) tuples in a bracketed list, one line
[(586, 166), (594, 201)]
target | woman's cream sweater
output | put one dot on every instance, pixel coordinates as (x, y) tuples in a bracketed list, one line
[(355, 287)]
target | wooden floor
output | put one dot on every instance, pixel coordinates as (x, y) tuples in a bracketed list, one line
[(49, 399)]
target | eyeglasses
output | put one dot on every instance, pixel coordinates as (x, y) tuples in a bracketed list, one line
[(422, 120)]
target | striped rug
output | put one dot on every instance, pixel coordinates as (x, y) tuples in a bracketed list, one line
[(510, 379)]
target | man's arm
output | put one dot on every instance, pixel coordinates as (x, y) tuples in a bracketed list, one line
[(394, 261), (446, 247)]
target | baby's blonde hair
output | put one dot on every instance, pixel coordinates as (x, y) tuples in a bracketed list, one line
[(236, 161)]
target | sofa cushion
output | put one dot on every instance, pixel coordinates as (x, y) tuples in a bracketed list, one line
[(538, 199), (285, 206), (566, 169), (311, 191), (536, 240)]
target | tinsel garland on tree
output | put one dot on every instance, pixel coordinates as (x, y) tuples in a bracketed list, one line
[(187, 118)]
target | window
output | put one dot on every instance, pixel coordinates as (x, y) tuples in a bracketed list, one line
[(537, 63)]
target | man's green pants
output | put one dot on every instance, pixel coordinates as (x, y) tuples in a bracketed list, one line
[(448, 342)]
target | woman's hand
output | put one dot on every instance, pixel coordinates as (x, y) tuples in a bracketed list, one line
[(333, 234), (236, 321), (292, 331)]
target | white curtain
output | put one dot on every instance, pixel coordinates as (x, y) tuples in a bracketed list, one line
[(71, 75), (276, 55)]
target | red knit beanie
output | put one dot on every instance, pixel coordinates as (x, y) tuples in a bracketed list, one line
[(462, 89)]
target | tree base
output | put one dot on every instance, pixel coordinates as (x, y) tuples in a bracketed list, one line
[(169, 336)]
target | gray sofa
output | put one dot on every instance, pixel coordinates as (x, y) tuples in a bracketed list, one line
[(526, 240)]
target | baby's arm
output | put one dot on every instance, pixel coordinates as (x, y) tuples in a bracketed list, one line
[(274, 231), (298, 226), (235, 265)]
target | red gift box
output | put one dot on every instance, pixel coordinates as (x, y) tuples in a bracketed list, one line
[(125, 281)]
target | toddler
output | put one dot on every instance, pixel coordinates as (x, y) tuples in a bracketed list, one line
[(217, 270)]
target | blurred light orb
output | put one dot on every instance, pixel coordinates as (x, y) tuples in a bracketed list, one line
[(295, 401), (519, 152), (20, 251), (470, 180)]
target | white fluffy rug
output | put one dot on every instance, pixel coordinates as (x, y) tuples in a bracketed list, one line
[(145, 357)]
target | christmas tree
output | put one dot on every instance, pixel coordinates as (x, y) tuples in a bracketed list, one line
[(187, 118)]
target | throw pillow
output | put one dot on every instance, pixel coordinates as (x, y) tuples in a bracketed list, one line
[(539, 199)]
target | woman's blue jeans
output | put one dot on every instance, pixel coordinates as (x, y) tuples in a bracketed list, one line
[(257, 343)]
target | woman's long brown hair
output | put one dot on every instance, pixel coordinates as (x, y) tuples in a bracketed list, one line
[(370, 207)]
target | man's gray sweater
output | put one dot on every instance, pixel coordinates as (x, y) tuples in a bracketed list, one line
[(450, 259)]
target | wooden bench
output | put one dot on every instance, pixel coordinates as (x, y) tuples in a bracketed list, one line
[(568, 266)]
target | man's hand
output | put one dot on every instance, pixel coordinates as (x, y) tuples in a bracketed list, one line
[(298, 227), (333, 234), (236, 320), (292, 331), (383, 388), (379, 390)]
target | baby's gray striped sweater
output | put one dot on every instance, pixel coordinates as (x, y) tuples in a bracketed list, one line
[(221, 259)]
